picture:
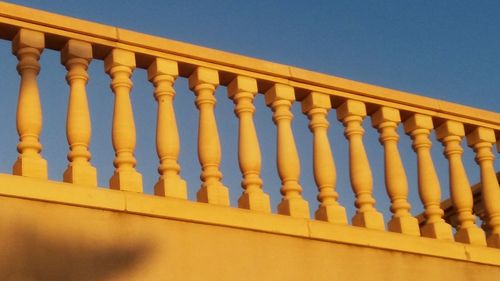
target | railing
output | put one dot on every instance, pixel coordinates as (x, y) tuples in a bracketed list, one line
[(122, 51), (451, 214)]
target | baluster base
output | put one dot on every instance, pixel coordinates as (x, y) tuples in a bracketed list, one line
[(331, 213), (129, 180), (81, 174), (33, 167), (171, 187), (216, 194), (405, 225), (493, 240), (369, 219), (294, 207), (256, 201), (471, 235), (438, 230)]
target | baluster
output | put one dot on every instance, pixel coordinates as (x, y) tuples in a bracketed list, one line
[(386, 121), (203, 82), (280, 98), (162, 73), (242, 91), (316, 106), (419, 127), (76, 56), (28, 45), (352, 113), (450, 133), (481, 140), (483, 217), (119, 64), (485, 224)]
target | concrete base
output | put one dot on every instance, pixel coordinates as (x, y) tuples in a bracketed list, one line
[(257, 201), (295, 207), (406, 225), (439, 230), (472, 235), (53, 241), (174, 187), (215, 193), (81, 174), (332, 213), (33, 167), (129, 180), (371, 219), (493, 240)]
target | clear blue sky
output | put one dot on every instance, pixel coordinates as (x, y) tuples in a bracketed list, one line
[(442, 49)]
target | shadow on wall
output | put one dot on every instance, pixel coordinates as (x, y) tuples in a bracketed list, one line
[(28, 254)]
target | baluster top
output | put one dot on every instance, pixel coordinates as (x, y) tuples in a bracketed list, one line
[(104, 38)]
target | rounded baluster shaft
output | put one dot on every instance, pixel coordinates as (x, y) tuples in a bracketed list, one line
[(119, 64), (481, 140), (316, 106), (351, 113), (242, 91), (386, 120), (27, 45), (162, 73), (203, 82), (419, 127), (450, 133), (76, 57), (280, 98)]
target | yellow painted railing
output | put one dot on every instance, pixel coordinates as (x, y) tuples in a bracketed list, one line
[(31, 31)]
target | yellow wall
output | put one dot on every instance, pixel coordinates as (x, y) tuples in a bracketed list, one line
[(50, 241)]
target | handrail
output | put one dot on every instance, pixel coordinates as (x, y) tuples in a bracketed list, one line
[(228, 64), (122, 51)]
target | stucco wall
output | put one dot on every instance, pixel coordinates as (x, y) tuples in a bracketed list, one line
[(47, 241)]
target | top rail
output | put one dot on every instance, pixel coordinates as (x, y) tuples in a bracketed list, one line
[(59, 29)]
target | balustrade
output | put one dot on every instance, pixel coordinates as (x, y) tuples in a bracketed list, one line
[(243, 90), (316, 106), (28, 45), (482, 140), (318, 96), (351, 113), (119, 64), (280, 98), (162, 73), (386, 120), (419, 127), (450, 133), (203, 82), (76, 57)]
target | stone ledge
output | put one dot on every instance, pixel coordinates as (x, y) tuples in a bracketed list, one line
[(202, 213)]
